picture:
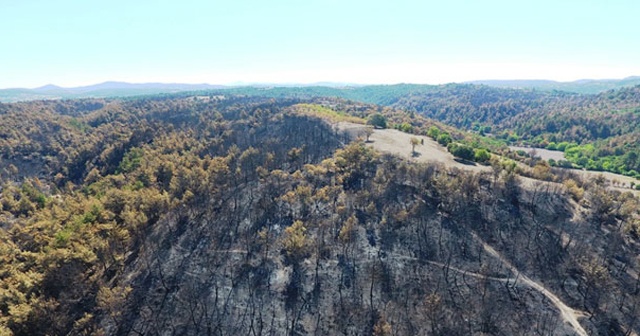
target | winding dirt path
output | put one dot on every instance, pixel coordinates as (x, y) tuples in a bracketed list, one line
[(398, 143), (568, 314)]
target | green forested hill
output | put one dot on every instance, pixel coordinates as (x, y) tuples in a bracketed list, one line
[(585, 86), (601, 130), (196, 215), (465, 105)]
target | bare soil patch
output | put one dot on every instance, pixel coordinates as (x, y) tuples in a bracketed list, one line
[(399, 143)]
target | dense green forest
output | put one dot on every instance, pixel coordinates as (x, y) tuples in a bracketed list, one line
[(601, 131), (232, 215)]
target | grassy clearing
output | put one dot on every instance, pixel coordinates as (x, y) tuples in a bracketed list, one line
[(326, 113)]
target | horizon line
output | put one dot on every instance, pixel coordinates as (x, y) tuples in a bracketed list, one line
[(313, 83)]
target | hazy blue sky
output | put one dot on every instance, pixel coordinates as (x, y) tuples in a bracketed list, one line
[(78, 42)]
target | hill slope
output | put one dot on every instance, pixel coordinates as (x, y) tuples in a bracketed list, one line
[(604, 125), (245, 215)]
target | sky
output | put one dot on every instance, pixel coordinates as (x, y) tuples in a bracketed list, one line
[(80, 42)]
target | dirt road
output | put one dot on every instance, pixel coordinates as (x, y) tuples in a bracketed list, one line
[(568, 314), (398, 143)]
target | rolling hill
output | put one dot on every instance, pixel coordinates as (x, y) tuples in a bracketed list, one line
[(241, 215), (601, 127)]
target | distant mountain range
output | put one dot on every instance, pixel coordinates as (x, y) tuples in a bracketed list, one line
[(586, 86), (123, 89), (103, 90)]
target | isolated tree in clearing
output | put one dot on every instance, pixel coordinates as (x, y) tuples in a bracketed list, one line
[(368, 132), (414, 142)]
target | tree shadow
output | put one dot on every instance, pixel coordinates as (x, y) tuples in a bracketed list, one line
[(465, 162), (415, 154)]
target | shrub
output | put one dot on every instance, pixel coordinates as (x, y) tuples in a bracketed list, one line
[(574, 189), (444, 139), (461, 151), (482, 155), (433, 133), (405, 127)]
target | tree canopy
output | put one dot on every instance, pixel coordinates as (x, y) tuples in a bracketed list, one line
[(377, 120)]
